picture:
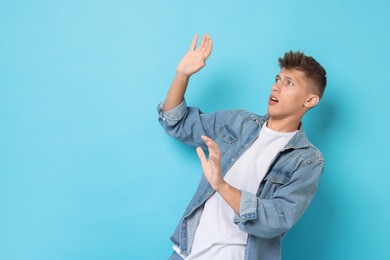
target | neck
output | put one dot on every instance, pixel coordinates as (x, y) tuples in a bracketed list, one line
[(283, 125)]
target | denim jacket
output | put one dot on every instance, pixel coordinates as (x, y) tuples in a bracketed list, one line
[(283, 195)]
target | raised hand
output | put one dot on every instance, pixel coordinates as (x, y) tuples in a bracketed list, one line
[(211, 166), (196, 57), (213, 173), (193, 61)]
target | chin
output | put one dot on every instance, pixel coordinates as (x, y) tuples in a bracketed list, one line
[(269, 110), (275, 115), (271, 113)]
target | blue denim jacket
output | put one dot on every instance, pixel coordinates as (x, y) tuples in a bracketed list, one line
[(283, 195)]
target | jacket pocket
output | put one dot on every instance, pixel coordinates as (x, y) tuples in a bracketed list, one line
[(227, 134), (279, 176)]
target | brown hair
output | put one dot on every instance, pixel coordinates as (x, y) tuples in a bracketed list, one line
[(312, 69)]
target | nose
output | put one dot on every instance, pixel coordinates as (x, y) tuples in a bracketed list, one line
[(276, 87)]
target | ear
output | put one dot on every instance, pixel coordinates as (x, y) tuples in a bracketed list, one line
[(312, 101)]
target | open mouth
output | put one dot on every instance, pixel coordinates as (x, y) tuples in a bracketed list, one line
[(273, 99)]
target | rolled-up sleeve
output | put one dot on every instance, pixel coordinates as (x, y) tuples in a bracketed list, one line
[(271, 217), (188, 124), (174, 115), (248, 207)]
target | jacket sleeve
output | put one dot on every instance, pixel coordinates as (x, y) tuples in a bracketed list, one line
[(187, 124), (268, 218)]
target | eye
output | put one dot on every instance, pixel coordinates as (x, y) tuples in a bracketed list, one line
[(290, 83), (277, 80)]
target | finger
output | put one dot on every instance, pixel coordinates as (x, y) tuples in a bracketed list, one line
[(209, 141), (201, 155), (205, 47), (202, 44), (208, 49), (194, 41), (212, 146)]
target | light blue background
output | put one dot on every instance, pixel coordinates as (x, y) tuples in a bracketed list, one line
[(86, 172)]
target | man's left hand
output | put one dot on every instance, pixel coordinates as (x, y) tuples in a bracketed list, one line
[(211, 166)]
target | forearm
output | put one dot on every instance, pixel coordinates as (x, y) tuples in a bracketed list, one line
[(213, 173), (231, 195), (273, 216), (176, 91)]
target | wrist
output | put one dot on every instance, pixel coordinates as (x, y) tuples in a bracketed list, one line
[(222, 187), (182, 76)]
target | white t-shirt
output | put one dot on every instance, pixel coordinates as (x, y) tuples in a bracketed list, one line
[(217, 237)]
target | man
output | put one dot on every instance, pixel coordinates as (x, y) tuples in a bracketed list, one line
[(261, 172)]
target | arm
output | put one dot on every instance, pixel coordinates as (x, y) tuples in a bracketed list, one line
[(265, 218), (184, 123), (192, 62), (213, 173), (274, 216)]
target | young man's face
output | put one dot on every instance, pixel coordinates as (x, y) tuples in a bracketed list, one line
[(289, 95)]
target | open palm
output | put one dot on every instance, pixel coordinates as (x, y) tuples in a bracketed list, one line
[(211, 166), (195, 58)]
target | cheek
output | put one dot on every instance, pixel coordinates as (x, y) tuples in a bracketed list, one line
[(298, 94), (296, 100)]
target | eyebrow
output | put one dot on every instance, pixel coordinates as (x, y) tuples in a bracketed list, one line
[(278, 76)]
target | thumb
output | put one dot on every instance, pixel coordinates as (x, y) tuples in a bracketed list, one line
[(201, 155)]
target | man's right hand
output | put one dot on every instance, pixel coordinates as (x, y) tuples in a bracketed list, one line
[(196, 57)]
